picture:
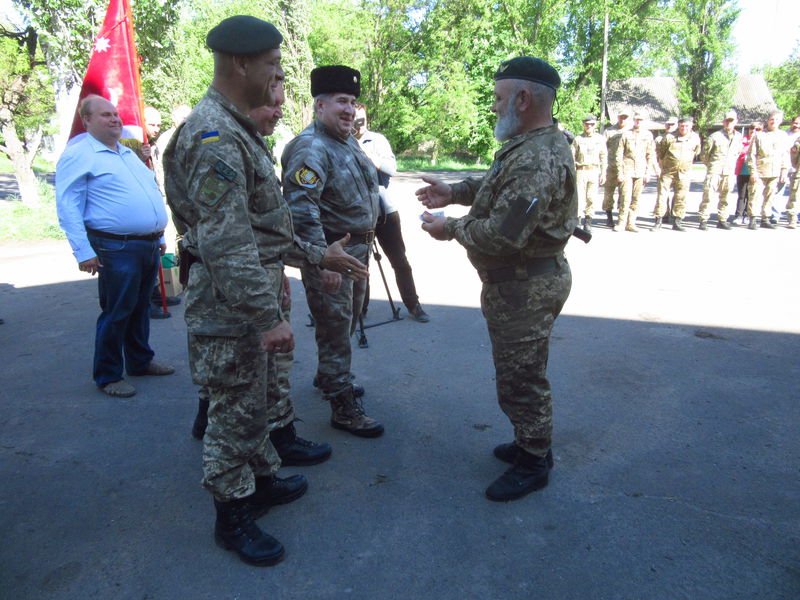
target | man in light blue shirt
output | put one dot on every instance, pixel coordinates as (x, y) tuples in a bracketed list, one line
[(114, 217)]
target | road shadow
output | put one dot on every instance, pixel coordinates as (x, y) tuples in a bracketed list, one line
[(676, 450)]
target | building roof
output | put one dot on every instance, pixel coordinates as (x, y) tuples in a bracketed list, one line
[(657, 98)]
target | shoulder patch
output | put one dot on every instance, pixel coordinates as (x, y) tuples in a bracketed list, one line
[(209, 136), (218, 180), (306, 178)]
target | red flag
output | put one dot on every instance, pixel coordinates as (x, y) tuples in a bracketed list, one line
[(113, 72)]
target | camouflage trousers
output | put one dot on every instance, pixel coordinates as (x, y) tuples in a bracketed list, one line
[(236, 447), (520, 315), (718, 186), (794, 186), (764, 188), (335, 317), (629, 194), (680, 182), (610, 187), (587, 189)]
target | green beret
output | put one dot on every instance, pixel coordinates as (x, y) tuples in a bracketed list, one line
[(335, 79), (530, 69), (243, 35)]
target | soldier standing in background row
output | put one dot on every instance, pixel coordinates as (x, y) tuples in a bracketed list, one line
[(225, 198), (721, 153), (768, 159), (522, 214), (613, 138), (791, 206), (635, 160), (676, 153), (589, 152), (332, 189)]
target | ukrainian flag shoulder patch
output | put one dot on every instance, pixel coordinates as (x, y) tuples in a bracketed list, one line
[(209, 136), (306, 178)]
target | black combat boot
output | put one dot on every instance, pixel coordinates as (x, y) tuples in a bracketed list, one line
[(236, 530), (274, 490), (677, 225), (723, 224), (201, 420), (703, 226), (657, 224), (753, 223), (609, 219), (295, 451), (768, 224), (529, 473), (508, 453)]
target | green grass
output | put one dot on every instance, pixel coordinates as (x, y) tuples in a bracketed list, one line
[(445, 163), (40, 165), (22, 223)]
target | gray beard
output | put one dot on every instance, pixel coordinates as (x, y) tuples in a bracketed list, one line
[(508, 124)]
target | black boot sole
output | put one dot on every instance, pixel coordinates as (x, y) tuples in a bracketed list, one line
[(265, 562), (540, 485)]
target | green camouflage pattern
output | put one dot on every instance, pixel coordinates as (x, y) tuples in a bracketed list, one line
[(675, 154), (505, 228), (589, 153)]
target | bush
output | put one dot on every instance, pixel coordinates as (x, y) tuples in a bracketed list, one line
[(19, 222)]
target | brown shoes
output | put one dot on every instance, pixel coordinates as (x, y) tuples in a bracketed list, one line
[(156, 368), (119, 389), (348, 414)]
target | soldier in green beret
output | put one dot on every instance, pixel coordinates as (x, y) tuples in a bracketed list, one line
[(226, 200), (522, 214)]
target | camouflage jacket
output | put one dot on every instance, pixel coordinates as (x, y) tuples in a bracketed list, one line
[(722, 152), (636, 153), (589, 151), (768, 155), (613, 138), (222, 189), (676, 154), (794, 155), (524, 207), (330, 184)]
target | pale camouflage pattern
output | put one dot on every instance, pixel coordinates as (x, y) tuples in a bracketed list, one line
[(720, 154), (675, 154), (791, 206), (520, 313), (589, 152), (227, 200), (768, 155), (635, 158), (343, 199), (613, 137)]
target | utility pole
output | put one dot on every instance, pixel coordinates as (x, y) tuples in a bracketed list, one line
[(604, 75)]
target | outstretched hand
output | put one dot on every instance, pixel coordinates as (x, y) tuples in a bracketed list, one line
[(436, 194), (336, 259)]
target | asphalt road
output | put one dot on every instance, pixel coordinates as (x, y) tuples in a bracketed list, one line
[(677, 440)]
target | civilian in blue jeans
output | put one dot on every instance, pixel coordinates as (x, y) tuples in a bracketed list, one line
[(113, 215)]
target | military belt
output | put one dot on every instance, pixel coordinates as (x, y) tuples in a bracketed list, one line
[(147, 237), (586, 167), (364, 237), (534, 267)]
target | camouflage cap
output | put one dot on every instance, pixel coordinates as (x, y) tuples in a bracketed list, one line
[(639, 115), (730, 116), (529, 69), (671, 120), (243, 35), (335, 79), (686, 119), (589, 119)]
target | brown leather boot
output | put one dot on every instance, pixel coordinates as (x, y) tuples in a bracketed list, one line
[(348, 414)]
